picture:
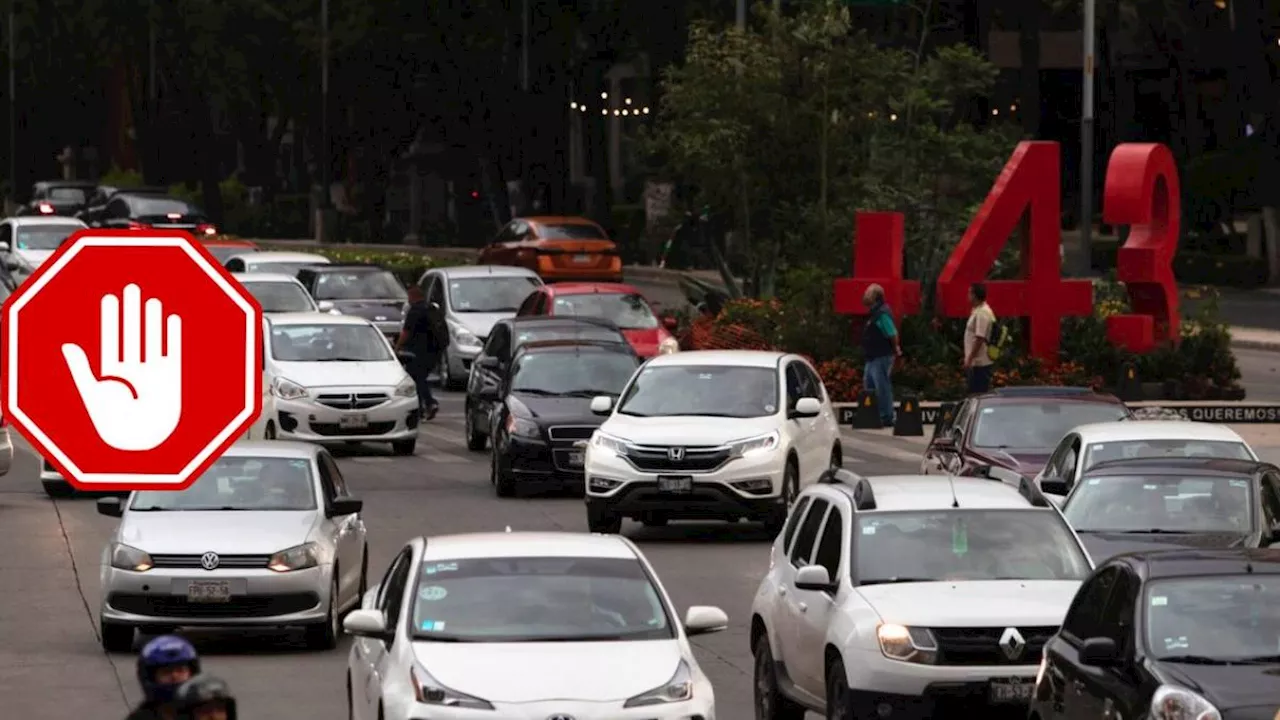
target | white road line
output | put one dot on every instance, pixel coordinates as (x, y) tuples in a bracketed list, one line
[(453, 438), (445, 459), (860, 446)]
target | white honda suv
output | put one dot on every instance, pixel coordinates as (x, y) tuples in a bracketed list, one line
[(911, 595), (724, 435)]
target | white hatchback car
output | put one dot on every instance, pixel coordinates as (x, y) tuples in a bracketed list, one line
[(911, 595), (717, 434), (285, 263), (335, 378), (525, 625)]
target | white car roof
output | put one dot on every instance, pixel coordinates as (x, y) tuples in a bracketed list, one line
[(263, 258), (728, 358), (317, 318), (474, 271), (255, 277), (526, 544), (272, 448), (44, 220), (1131, 430), (935, 492)]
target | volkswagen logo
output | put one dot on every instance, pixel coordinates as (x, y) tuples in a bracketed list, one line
[(560, 717), (209, 561), (1012, 643), (675, 454)]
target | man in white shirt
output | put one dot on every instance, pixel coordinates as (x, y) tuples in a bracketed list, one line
[(977, 335)]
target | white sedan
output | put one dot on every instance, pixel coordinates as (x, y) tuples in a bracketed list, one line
[(525, 625), (27, 241), (334, 378)]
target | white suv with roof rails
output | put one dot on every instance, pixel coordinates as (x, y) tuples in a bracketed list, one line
[(910, 595)]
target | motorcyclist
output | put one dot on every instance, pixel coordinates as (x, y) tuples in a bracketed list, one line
[(164, 664), (204, 697)]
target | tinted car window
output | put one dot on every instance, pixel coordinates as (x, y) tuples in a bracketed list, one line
[(279, 297), (151, 206), (1232, 617), (1162, 502), (803, 549), (358, 285), (1036, 425), (585, 331), (628, 311), (587, 373), (1130, 449), (44, 237), (489, 295), (570, 232), (793, 522), (702, 390), (1084, 618), (73, 195)]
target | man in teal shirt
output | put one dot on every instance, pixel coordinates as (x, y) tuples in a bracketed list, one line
[(880, 346)]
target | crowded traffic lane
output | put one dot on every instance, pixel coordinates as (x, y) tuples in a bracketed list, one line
[(51, 655)]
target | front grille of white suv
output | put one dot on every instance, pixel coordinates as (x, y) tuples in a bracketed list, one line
[(991, 645)]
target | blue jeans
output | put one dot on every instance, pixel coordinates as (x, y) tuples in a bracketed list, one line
[(876, 379)]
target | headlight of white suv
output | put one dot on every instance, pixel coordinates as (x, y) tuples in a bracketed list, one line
[(429, 691), (668, 345), (125, 557), (913, 645), (298, 557), (407, 388), (463, 337), (678, 689), (756, 445), (1174, 703), (287, 389), (609, 443)]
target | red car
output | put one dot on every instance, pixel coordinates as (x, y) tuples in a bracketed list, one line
[(1015, 428), (620, 304)]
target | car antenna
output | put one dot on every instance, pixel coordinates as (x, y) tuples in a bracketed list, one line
[(955, 502)]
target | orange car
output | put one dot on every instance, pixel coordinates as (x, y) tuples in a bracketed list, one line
[(223, 248), (557, 248)]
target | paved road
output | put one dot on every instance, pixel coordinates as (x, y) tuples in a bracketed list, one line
[(49, 586)]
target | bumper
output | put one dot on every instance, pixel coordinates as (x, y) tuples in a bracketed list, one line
[(701, 707), (304, 419), (559, 270), (535, 461), (258, 597), (748, 487), (921, 690)]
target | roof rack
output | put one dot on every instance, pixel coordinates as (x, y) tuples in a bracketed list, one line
[(1026, 488), (1039, 390)]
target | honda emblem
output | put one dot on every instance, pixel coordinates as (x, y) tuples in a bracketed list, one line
[(675, 454)]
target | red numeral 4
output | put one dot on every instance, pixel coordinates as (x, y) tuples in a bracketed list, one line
[(1142, 192)]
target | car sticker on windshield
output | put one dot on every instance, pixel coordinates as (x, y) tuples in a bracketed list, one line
[(431, 593), (770, 408), (988, 411), (705, 376), (300, 464), (959, 539), (432, 625), (1178, 643), (1095, 481), (1239, 483), (440, 567), (868, 529), (1159, 601)]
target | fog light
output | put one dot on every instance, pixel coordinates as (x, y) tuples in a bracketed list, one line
[(288, 422), (599, 484), (758, 486)]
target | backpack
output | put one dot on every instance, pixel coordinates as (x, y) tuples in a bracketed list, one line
[(999, 337)]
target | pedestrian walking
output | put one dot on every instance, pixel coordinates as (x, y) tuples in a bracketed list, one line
[(416, 337), (881, 345), (977, 339)]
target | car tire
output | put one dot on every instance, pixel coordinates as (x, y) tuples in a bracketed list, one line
[(770, 703), (475, 441), (839, 699), (324, 636), (116, 638), (603, 521), (447, 381), (58, 489), (790, 490), (404, 447), (503, 483)]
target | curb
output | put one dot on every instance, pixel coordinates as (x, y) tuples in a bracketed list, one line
[(1256, 344)]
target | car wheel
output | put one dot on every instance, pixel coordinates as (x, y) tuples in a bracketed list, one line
[(770, 703), (839, 699), (269, 433), (116, 638), (404, 447), (475, 441), (324, 636), (58, 488), (447, 380), (502, 481), (774, 523), (837, 457), (603, 521)]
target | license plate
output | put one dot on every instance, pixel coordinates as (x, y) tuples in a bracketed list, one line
[(575, 458), (209, 591), (675, 484), (1012, 690), (353, 421), (582, 259)]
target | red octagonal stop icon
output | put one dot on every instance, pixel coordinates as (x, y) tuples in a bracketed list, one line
[(132, 360)]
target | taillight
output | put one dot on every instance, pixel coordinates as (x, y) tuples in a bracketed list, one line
[(206, 230), (45, 208)]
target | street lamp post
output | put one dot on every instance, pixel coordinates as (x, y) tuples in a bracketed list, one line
[(1086, 139), (13, 110), (325, 156)]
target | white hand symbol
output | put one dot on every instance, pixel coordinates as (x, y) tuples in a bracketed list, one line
[(135, 402)]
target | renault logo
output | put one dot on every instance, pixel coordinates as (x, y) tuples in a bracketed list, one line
[(675, 454), (209, 561), (1012, 643)]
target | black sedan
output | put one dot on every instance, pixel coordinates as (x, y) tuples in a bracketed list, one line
[(541, 412), (1166, 503), (1164, 635), (366, 291)]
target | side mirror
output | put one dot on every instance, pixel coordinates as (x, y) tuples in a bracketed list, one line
[(1099, 652), (325, 306), (344, 506), (704, 620), (366, 623), (488, 363), (601, 404), (435, 306), (111, 507), (671, 322), (1054, 486), (814, 577), (807, 407)]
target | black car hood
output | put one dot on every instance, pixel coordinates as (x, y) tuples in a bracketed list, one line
[(562, 410), (374, 310), (1104, 545), (1230, 687)]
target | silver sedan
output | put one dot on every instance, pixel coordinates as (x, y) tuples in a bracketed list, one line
[(267, 537)]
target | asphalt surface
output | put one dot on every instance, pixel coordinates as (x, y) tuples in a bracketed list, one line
[(51, 663)]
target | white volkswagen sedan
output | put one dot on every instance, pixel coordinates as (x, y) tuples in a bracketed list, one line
[(715, 434), (267, 537), (525, 626), (335, 378)]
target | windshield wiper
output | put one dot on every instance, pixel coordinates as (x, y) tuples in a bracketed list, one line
[(589, 393), (1260, 659), (536, 391), (344, 359), (437, 637), (576, 638), (489, 310), (1196, 660), (1151, 531), (895, 580)]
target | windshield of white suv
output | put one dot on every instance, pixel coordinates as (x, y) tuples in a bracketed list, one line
[(1214, 619), (538, 599), (328, 343), (279, 297), (941, 545), (1130, 449), (1039, 425), (702, 391), (239, 483), (1137, 503)]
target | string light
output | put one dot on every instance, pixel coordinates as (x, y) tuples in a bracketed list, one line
[(645, 111), (583, 108), (604, 112), (1013, 108), (573, 106), (617, 113), (627, 101), (893, 118), (604, 96), (626, 112), (995, 111)]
